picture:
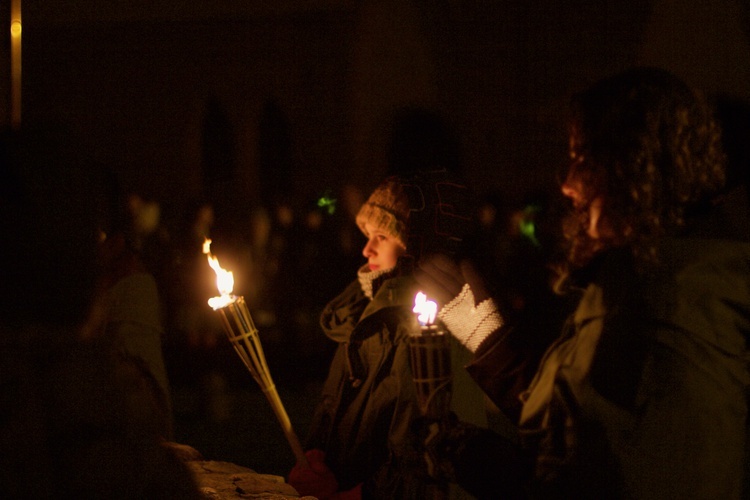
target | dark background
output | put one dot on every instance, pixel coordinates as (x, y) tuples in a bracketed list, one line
[(243, 103), (143, 80)]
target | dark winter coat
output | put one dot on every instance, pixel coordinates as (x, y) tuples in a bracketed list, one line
[(369, 397), (644, 395)]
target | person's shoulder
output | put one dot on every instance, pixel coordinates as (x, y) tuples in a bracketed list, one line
[(351, 301), (680, 252), (726, 218)]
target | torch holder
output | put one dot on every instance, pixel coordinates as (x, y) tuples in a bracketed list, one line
[(430, 359), (241, 331)]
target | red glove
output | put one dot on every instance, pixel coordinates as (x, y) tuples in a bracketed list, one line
[(317, 480)]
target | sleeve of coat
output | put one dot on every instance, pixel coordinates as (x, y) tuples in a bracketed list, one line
[(503, 366)]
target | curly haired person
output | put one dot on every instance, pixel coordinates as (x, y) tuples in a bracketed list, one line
[(644, 393)]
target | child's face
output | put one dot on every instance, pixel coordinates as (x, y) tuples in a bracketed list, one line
[(381, 250)]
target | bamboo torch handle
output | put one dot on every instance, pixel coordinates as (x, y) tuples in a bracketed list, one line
[(286, 425), (247, 345)]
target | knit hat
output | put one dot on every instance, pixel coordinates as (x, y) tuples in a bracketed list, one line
[(387, 209)]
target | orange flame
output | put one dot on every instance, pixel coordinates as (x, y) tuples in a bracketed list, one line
[(224, 279)]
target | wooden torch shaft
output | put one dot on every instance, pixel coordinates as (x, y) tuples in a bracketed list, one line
[(286, 425), (243, 335)]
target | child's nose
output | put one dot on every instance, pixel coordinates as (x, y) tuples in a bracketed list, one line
[(369, 249)]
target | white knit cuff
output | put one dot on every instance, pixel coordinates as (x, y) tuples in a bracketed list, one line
[(470, 323)]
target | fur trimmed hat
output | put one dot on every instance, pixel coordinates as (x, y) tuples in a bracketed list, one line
[(387, 208)]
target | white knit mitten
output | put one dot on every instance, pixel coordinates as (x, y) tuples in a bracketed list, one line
[(470, 323)]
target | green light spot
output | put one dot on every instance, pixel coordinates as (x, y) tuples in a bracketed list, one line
[(526, 225), (327, 203)]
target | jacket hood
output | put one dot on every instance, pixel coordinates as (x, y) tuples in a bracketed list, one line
[(351, 308), (341, 315)]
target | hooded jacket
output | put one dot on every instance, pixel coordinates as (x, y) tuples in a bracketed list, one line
[(644, 395), (369, 399)]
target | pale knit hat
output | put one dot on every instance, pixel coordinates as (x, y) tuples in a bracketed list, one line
[(387, 209)]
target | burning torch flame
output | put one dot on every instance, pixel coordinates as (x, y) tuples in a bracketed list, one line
[(224, 279), (426, 309)]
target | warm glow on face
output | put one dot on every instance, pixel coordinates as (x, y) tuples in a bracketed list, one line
[(426, 309), (224, 279), (382, 250)]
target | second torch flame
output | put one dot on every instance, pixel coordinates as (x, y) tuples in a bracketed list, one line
[(426, 309)]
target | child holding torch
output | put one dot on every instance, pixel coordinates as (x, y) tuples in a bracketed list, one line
[(358, 440)]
